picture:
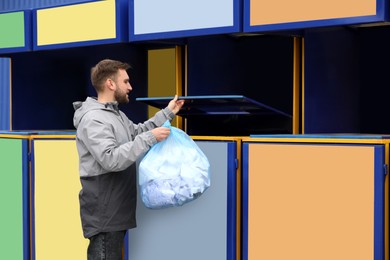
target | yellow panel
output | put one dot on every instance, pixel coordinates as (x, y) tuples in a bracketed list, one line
[(272, 12), (58, 232), (161, 74), (74, 23), (310, 202)]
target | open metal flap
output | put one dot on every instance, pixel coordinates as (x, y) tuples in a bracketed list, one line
[(215, 105)]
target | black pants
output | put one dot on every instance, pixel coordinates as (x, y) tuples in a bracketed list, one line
[(106, 246)]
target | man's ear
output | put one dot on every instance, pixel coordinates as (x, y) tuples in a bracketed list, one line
[(110, 84)]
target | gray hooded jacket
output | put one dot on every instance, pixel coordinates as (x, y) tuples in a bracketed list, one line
[(109, 144)]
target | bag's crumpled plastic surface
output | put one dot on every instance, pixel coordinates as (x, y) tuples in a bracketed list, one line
[(173, 172)]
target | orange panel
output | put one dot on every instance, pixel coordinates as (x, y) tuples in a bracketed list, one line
[(284, 11)]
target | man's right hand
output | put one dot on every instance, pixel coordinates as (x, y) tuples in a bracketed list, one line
[(161, 133)]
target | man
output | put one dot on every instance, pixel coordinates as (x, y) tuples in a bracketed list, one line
[(109, 145)]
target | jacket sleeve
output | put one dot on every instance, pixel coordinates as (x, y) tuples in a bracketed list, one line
[(157, 120), (101, 142)]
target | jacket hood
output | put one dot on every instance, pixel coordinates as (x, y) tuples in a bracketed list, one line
[(83, 107)]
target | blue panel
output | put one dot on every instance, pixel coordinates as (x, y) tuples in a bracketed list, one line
[(331, 90), (25, 134), (381, 16), (73, 44), (5, 94), (164, 34), (26, 200), (122, 20), (379, 202), (245, 197), (202, 229), (329, 136), (19, 5), (231, 243), (32, 207), (39, 133)]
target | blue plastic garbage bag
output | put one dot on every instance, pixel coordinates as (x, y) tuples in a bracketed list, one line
[(173, 172)]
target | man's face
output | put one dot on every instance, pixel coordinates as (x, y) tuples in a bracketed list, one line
[(123, 87)]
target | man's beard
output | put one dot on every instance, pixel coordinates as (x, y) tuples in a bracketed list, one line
[(121, 97)]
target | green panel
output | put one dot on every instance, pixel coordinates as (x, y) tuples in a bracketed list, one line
[(12, 30), (11, 199)]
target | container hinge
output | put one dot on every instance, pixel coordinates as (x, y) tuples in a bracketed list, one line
[(236, 163), (385, 169)]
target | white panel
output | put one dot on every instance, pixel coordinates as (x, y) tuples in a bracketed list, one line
[(196, 230), (156, 16)]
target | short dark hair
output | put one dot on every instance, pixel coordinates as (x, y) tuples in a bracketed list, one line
[(106, 69)]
